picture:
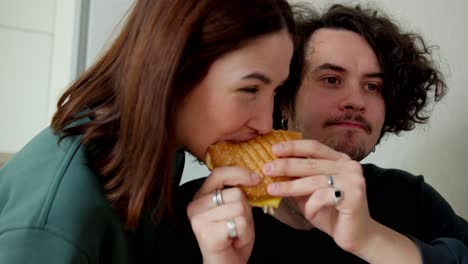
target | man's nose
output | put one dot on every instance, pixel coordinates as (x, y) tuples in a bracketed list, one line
[(353, 100)]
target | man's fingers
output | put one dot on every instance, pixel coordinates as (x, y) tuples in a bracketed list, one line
[(307, 148), (297, 167), (298, 187)]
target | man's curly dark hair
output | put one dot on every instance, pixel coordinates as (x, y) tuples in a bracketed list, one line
[(411, 77)]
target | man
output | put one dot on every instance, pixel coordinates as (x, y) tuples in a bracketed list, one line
[(365, 78)]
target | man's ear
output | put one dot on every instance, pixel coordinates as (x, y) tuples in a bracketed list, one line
[(284, 122), (277, 115)]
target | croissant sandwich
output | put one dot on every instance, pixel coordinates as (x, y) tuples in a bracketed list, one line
[(252, 155)]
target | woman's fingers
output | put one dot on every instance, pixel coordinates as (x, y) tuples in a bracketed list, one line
[(221, 218), (227, 176), (243, 228), (213, 229), (206, 202), (219, 236)]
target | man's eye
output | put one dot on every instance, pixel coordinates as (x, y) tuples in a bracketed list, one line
[(372, 87), (331, 80)]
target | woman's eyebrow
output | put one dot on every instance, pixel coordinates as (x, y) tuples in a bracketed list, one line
[(258, 76)]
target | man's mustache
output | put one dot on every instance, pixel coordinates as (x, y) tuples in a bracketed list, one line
[(347, 117)]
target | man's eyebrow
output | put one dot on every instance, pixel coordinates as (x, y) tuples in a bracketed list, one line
[(375, 75), (329, 66), (333, 67), (258, 76)]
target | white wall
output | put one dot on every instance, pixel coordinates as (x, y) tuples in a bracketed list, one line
[(36, 49), (65, 55), (104, 19), (26, 34)]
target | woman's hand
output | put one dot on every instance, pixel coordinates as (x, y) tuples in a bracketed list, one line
[(223, 223), (340, 209)]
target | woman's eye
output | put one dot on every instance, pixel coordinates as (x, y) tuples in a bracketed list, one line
[(249, 89)]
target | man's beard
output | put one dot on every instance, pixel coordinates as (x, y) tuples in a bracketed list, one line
[(355, 150)]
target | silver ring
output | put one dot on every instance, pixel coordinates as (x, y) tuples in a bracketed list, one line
[(337, 196), (232, 229), (217, 198), (330, 181)]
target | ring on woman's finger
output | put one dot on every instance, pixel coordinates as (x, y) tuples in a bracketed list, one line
[(232, 228), (330, 181), (337, 196), (217, 198)]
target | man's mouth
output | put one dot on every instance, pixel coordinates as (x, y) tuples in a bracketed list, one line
[(349, 125), (349, 122)]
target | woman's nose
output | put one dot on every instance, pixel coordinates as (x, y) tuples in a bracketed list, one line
[(262, 120)]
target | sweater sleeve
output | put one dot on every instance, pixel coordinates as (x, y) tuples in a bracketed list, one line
[(419, 212), (38, 246), (443, 251), (439, 218), (449, 232)]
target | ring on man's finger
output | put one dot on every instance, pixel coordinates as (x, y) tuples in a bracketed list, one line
[(217, 198), (232, 228), (337, 196), (330, 181)]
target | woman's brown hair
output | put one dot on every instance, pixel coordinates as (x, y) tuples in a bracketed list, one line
[(164, 49)]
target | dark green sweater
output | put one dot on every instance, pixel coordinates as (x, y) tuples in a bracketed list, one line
[(53, 209)]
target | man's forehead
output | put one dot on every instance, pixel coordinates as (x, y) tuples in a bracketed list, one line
[(339, 47), (326, 39), (320, 46)]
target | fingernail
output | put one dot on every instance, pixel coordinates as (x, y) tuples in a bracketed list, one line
[(272, 188), (255, 177), (277, 148), (267, 168)]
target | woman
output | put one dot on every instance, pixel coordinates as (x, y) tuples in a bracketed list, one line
[(99, 185)]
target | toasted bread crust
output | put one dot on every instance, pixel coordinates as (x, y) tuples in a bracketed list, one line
[(252, 155)]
